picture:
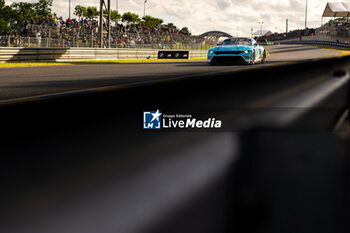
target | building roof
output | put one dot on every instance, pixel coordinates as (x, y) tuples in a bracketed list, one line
[(337, 9), (262, 33), (216, 34)]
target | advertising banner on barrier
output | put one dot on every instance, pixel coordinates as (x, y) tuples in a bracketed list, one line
[(173, 54)]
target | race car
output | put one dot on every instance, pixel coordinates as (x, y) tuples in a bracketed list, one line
[(237, 50)]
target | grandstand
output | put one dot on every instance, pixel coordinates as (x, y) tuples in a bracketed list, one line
[(56, 32), (336, 29), (36, 30), (60, 33)]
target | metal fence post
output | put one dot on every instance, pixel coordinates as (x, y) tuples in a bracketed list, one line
[(49, 38), (91, 39), (74, 38)]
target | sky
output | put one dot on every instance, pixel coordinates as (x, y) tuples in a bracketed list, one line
[(231, 16)]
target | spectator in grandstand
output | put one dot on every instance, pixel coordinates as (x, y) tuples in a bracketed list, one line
[(132, 43), (85, 32), (38, 38)]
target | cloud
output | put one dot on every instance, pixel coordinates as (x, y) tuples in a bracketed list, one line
[(225, 15), (223, 4)]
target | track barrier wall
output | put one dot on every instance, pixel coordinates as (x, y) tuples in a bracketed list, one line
[(81, 54), (322, 43)]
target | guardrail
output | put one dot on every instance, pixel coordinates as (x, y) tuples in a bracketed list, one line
[(279, 164), (80, 54), (316, 42)]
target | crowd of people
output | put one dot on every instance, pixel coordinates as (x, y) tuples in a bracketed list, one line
[(296, 34), (338, 28), (84, 32)]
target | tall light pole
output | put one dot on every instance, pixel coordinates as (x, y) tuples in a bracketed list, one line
[(306, 15), (117, 5), (144, 8), (261, 23), (69, 10)]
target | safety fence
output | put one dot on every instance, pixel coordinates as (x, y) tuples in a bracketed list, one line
[(129, 41)]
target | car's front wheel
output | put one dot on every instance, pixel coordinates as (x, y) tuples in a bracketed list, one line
[(212, 63), (264, 57), (252, 62)]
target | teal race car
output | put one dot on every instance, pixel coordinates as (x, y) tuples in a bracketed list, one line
[(237, 50)]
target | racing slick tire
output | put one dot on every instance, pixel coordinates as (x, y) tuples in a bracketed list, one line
[(253, 59), (212, 63)]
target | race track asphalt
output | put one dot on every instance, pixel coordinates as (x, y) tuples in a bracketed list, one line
[(22, 82)]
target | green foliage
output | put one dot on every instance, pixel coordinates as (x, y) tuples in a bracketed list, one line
[(130, 17), (80, 11), (23, 11), (115, 16), (12, 16), (43, 8), (171, 25), (151, 21), (91, 12), (185, 30), (3, 26), (340, 19)]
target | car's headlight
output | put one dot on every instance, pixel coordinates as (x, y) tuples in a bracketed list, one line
[(212, 51), (245, 51)]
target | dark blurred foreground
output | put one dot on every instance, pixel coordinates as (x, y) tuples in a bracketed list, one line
[(82, 162)]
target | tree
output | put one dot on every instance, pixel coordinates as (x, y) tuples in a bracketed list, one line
[(185, 30), (80, 11), (151, 21), (130, 17), (147, 20), (171, 25), (91, 12), (24, 10), (43, 8), (8, 18), (115, 16), (158, 21), (3, 26), (21, 12), (16, 14)]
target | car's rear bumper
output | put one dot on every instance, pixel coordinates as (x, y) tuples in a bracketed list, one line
[(229, 59)]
